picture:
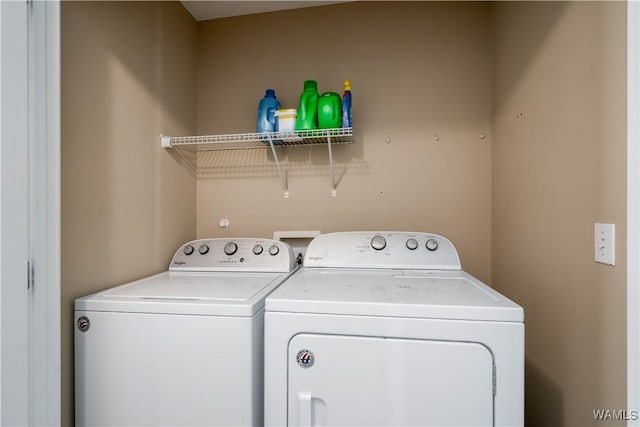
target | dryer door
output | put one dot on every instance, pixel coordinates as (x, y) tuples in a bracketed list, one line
[(373, 381)]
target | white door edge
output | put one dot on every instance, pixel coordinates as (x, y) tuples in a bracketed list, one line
[(30, 213), (45, 211), (633, 210)]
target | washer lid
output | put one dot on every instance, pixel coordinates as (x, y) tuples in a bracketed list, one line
[(433, 294), (205, 293)]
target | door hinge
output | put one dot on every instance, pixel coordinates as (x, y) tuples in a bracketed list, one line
[(30, 274), (494, 380)]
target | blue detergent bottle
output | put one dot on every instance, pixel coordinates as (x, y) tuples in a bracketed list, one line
[(266, 112), (346, 105)]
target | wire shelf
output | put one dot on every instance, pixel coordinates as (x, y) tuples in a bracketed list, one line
[(239, 141), (272, 140)]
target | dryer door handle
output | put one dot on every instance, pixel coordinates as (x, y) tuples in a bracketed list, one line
[(304, 408)]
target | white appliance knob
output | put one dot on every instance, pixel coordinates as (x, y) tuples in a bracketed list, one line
[(378, 242), (412, 244), (203, 249), (274, 249), (230, 248), (432, 244), (257, 249), (188, 250)]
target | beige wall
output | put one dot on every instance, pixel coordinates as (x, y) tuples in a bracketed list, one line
[(417, 69), (128, 74), (544, 81), (559, 165)]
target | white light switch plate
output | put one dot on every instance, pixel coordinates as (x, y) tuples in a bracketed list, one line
[(605, 243)]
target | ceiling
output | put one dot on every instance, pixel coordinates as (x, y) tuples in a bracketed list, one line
[(212, 9)]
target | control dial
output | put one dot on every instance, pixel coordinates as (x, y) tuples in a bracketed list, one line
[(188, 250), (257, 249), (432, 244), (274, 249), (203, 249), (230, 248), (412, 244), (378, 242)]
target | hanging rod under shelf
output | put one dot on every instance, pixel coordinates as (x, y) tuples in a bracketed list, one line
[(238, 141)]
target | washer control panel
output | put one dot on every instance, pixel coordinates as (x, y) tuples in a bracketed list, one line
[(242, 254), (384, 249)]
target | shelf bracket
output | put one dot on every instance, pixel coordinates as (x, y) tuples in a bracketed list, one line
[(283, 178), (165, 141), (333, 176)]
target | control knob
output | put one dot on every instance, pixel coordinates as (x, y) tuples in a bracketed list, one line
[(203, 249), (188, 250), (230, 248), (412, 244), (378, 242), (274, 249), (432, 244), (257, 249)]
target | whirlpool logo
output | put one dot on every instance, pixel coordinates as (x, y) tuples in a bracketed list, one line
[(305, 358), (83, 323)]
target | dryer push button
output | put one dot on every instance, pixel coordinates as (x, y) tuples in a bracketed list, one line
[(378, 242), (412, 244)]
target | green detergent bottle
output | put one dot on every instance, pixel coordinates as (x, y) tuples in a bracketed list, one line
[(329, 110), (308, 111)]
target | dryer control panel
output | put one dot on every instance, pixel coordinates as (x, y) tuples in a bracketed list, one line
[(382, 249), (242, 254)]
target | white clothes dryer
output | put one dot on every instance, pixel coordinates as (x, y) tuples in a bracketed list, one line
[(183, 347), (386, 329)]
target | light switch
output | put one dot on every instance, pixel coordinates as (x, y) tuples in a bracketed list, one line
[(605, 243)]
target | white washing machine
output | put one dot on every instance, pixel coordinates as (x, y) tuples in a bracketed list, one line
[(385, 329), (183, 347)]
